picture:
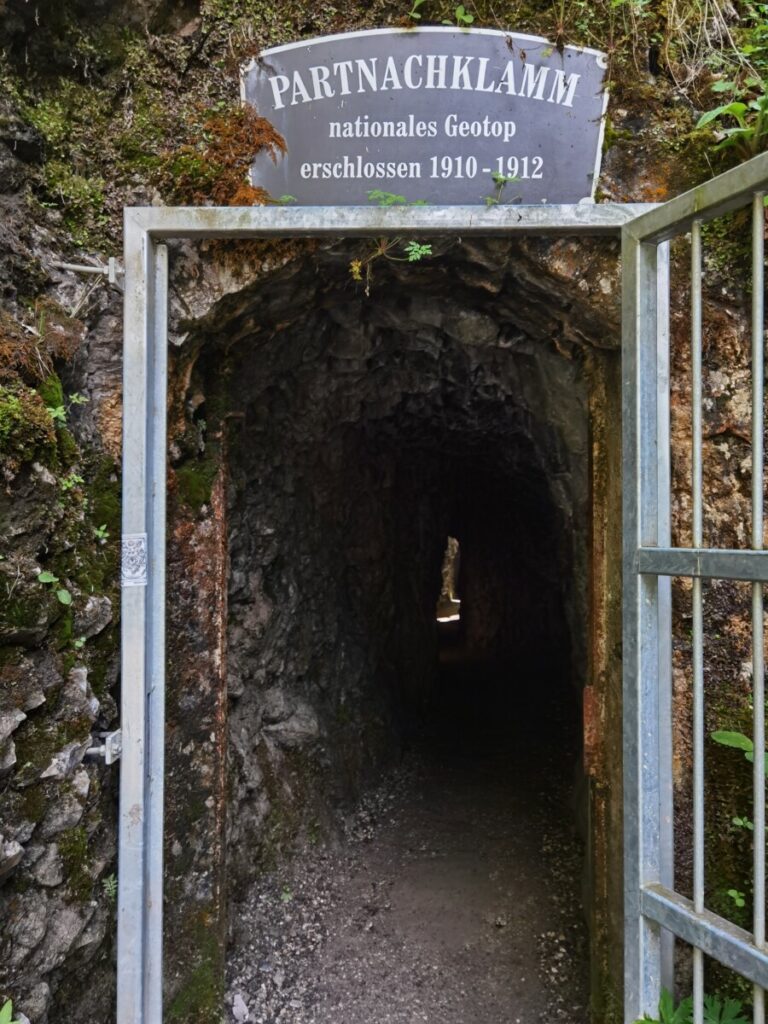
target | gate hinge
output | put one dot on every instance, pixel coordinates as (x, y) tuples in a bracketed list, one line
[(111, 747)]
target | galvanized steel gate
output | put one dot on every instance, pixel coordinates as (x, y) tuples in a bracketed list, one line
[(653, 907), (653, 910)]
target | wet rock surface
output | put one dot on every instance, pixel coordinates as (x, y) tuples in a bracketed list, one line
[(452, 894)]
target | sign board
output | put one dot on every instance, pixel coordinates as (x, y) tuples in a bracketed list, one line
[(430, 114)]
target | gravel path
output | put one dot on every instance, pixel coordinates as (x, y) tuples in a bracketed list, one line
[(453, 897)]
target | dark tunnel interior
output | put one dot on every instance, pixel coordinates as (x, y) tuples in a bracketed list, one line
[(362, 433)]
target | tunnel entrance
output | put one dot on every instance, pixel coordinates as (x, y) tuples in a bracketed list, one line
[(323, 445), (392, 458), (291, 756)]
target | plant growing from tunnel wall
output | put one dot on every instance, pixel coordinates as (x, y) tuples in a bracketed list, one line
[(413, 251)]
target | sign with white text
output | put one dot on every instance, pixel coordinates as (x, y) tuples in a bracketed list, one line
[(436, 114)]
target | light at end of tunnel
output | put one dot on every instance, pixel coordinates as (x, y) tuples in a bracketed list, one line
[(449, 605)]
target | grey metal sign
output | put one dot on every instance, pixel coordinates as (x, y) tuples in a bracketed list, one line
[(437, 114)]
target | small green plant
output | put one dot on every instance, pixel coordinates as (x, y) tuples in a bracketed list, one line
[(101, 532), (47, 578), (669, 1013), (72, 480), (414, 11), (286, 895), (416, 251), (738, 897), (738, 741), (109, 888), (58, 413), (749, 109), (463, 19), (500, 181), (6, 1013), (723, 1012), (361, 269), (716, 1011), (376, 195), (744, 823)]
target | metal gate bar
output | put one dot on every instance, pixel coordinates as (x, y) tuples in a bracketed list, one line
[(652, 905)]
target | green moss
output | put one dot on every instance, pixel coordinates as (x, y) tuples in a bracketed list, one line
[(104, 496), (37, 740), (64, 628), (52, 392), (73, 847), (199, 1000), (80, 200), (195, 481), (27, 611), (33, 803), (614, 135), (101, 651), (68, 448), (26, 429)]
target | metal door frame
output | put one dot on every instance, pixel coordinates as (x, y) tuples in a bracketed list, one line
[(654, 911), (147, 230)]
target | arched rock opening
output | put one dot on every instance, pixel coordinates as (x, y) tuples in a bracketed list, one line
[(358, 433)]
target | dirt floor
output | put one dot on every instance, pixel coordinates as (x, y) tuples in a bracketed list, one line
[(454, 895)]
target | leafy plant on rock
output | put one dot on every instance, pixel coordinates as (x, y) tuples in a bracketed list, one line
[(739, 741), (462, 18), (414, 11), (741, 70), (716, 1011), (749, 110), (62, 594), (6, 1013), (361, 269)]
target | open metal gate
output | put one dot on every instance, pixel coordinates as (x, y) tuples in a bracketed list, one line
[(654, 911)]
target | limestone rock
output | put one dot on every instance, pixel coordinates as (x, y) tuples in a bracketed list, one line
[(49, 869), (11, 853), (94, 617), (35, 1002), (298, 728), (77, 699), (66, 760), (27, 926), (9, 722), (240, 1010), (65, 926), (7, 756), (65, 813)]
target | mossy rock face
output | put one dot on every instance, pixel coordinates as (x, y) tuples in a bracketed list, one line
[(199, 998), (73, 847), (27, 433), (28, 613), (195, 481)]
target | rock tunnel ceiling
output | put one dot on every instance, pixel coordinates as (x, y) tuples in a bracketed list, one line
[(362, 431)]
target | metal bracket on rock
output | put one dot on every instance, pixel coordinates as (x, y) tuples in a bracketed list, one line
[(111, 747), (111, 271)]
